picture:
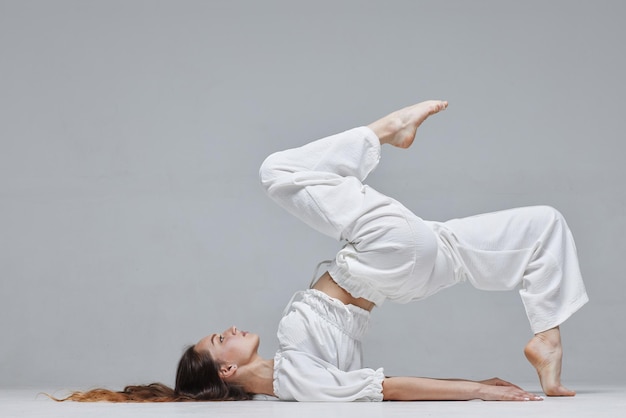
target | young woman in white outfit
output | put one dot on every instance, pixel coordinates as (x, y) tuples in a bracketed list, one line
[(389, 254)]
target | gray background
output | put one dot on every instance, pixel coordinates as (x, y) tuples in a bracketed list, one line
[(132, 222)]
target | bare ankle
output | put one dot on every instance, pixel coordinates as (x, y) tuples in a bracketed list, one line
[(386, 128), (551, 336)]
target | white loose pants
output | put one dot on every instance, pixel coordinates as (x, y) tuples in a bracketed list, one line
[(390, 253)]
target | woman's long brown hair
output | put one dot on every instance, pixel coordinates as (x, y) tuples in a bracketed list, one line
[(197, 379)]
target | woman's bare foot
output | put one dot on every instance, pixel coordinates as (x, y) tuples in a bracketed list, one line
[(544, 352), (399, 128)]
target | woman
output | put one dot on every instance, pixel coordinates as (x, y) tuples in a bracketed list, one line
[(389, 253)]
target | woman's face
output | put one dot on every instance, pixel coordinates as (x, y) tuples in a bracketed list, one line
[(231, 347)]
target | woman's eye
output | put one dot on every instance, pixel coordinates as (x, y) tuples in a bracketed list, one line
[(221, 338)]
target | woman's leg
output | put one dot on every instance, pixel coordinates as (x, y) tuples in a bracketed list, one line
[(533, 248), (321, 184)]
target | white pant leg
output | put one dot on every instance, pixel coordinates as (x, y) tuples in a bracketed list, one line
[(532, 247), (315, 182), (321, 184)]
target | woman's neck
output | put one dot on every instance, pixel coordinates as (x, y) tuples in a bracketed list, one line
[(257, 377)]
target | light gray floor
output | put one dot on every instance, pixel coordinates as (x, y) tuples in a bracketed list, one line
[(591, 401)]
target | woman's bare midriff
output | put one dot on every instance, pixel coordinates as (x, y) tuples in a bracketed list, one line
[(327, 285)]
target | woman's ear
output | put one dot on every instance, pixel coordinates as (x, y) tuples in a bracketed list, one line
[(227, 371)]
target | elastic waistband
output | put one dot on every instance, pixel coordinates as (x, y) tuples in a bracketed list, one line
[(350, 319)]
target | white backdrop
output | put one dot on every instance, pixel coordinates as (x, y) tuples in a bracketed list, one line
[(132, 222)]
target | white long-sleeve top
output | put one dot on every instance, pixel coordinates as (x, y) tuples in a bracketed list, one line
[(320, 354)]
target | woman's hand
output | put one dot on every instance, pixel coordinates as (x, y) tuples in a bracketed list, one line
[(499, 390), (504, 391)]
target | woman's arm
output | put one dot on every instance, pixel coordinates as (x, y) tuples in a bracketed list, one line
[(424, 389)]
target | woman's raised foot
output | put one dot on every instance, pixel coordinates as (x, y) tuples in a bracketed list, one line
[(399, 128)]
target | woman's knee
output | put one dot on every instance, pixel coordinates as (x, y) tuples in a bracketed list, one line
[(547, 218), (549, 213), (272, 169)]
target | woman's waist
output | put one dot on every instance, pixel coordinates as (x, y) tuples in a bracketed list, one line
[(327, 285)]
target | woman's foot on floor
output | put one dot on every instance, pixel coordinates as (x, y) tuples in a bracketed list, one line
[(545, 353)]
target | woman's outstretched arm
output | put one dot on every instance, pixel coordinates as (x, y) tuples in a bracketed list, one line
[(425, 389)]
